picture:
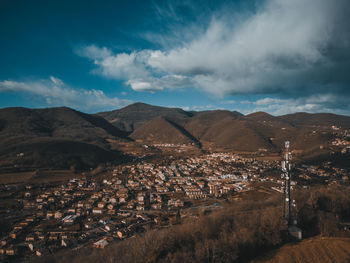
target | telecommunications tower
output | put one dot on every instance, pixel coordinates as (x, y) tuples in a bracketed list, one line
[(286, 168), (288, 203)]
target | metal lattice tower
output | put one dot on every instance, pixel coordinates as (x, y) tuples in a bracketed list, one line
[(286, 177)]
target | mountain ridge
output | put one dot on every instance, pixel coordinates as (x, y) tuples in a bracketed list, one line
[(30, 131), (140, 123)]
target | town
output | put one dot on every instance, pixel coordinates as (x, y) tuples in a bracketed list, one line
[(128, 199)]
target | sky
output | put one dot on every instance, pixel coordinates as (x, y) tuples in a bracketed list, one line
[(277, 56)]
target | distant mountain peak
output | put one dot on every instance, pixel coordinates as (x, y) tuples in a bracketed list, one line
[(237, 113), (259, 114), (134, 115)]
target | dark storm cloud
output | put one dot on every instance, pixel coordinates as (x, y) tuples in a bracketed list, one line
[(293, 49)]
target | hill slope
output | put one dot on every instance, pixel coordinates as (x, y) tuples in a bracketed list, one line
[(313, 251), (134, 115), (228, 130), (55, 137), (317, 119), (163, 130)]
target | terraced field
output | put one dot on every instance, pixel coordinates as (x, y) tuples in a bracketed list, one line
[(313, 250)]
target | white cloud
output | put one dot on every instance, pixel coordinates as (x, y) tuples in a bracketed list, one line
[(56, 81), (56, 93), (229, 102), (204, 107), (124, 65), (316, 103), (94, 52), (140, 85), (285, 47)]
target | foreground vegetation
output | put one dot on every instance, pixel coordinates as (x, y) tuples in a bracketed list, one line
[(316, 249), (240, 232)]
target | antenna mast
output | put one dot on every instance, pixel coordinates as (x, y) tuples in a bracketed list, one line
[(286, 167)]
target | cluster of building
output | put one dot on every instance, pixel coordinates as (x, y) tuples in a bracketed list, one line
[(324, 173), (127, 200), (130, 199), (341, 139)]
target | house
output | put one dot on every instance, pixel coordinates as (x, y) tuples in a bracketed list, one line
[(123, 194), (64, 243), (131, 205), (113, 200), (111, 211), (123, 233), (88, 205), (28, 204), (97, 210), (175, 202), (3, 242), (13, 235), (179, 203), (79, 211), (69, 219), (89, 225), (30, 219), (53, 237), (157, 206), (101, 243), (101, 204), (58, 215), (50, 214), (41, 236), (18, 227), (122, 199), (140, 197), (11, 251), (71, 210), (140, 208), (30, 238), (31, 246)]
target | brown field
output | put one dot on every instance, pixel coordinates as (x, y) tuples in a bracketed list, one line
[(315, 250), (268, 158), (37, 177), (127, 147), (13, 178), (253, 195)]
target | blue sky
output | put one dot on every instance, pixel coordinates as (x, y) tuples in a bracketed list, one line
[(272, 55)]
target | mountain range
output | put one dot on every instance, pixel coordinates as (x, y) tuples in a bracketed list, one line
[(63, 137), (55, 138), (224, 129)]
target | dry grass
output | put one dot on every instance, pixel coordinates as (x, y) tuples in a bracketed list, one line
[(253, 195), (46, 176), (314, 250), (12, 178)]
